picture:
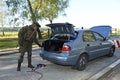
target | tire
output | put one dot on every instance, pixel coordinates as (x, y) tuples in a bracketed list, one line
[(82, 62), (111, 52)]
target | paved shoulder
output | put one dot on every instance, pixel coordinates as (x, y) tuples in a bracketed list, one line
[(113, 74), (12, 51)]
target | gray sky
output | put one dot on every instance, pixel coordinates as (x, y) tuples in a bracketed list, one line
[(89, 13)]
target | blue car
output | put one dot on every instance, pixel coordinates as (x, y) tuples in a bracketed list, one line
[(67, 46)]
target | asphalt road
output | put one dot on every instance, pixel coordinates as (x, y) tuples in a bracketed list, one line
[(52, 71)]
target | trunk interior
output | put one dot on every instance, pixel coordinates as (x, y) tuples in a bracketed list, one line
[(53, 45)]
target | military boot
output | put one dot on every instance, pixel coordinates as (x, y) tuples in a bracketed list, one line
[(29, 64), (19, 66)]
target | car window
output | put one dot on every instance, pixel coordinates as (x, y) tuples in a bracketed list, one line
[(98, 37), (88, 36), (64, 36)]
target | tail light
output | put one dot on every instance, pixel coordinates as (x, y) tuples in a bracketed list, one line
[(66, 48)]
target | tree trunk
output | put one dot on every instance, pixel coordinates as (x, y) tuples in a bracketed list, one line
[(31, 11), (34, 18), (3, 34), (50, 21)]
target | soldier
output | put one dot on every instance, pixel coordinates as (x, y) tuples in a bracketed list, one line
[(26, 36)]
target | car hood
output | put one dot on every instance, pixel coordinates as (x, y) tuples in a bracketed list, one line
[(103, 30), (61, 28)]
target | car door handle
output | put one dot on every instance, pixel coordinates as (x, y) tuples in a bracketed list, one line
[(100, 43), (88, 44)]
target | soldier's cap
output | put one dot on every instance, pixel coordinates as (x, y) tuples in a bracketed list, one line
[(38, 25)]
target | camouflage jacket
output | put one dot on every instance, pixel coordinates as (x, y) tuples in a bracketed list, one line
[(27, 34)]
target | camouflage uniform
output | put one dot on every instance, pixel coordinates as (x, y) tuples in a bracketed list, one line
[(26, 36)]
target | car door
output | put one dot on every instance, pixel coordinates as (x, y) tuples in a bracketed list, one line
[(103, 46), (91, 46)]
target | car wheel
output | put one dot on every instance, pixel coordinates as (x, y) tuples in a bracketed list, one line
[(111, 52), (82, 62)]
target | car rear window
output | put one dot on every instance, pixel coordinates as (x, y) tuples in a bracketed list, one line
[(64, 36)]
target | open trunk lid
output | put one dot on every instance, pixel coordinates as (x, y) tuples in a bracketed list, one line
[(61, 28)]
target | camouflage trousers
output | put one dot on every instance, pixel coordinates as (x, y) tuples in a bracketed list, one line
[(27, 47)]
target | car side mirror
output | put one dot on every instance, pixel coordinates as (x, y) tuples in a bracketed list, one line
[(105, 39)]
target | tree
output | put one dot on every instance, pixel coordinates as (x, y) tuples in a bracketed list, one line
[(23, 10), (54, 8), (35, 10), (18, 10), (50, 9), (31, 11), (2, 16)]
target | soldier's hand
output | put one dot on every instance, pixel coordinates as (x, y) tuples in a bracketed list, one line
[(39, 45), (21, 44)]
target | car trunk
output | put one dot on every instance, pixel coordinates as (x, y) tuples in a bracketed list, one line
[(53, 45), (60, 33)]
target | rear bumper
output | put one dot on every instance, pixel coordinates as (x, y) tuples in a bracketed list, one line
[(59, 59)]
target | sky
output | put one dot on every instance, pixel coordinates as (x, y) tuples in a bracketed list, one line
[(88, 13)]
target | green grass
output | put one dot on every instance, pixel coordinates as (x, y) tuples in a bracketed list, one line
[(10, 40), (114, 34), (8, 43)]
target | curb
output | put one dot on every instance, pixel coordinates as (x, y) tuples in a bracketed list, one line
[(98, 75), (8, 49), (8, 52), (13, 51)]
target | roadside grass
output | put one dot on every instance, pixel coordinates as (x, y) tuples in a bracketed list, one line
[(8, 43), (10, 40), (114, 34)]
